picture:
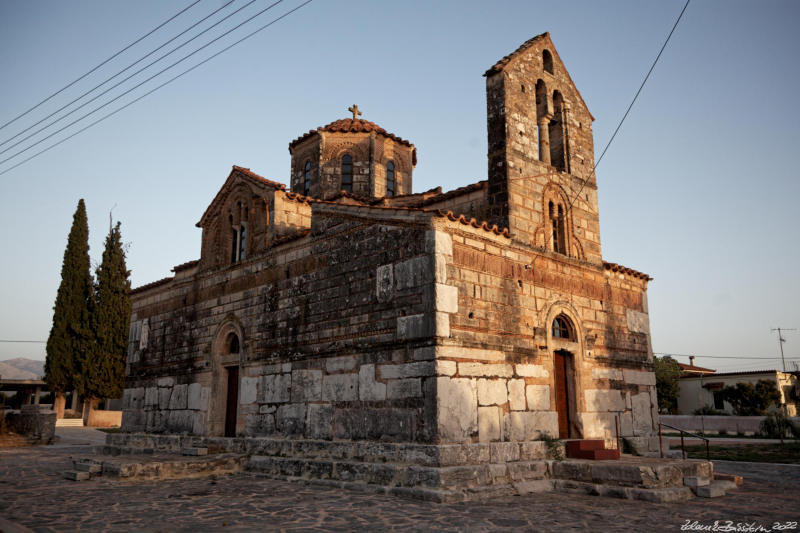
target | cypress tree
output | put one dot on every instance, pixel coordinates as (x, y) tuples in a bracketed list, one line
[(105, 370), (71, 336)]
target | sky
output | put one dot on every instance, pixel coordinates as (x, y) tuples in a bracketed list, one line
[(699, 189)]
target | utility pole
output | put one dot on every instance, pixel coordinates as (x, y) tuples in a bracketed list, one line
[(781, 340)]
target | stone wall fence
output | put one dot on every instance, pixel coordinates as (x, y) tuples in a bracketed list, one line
[(732, 425)]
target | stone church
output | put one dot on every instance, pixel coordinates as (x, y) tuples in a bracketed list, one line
[(345, 316)]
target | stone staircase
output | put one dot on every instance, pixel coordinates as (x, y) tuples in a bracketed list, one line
[(144, 463), (69, 423), (441, 473), (590, 449)]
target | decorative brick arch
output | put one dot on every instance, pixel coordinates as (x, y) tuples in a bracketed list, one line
[(542, 236)]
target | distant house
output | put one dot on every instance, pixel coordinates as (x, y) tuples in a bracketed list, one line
[(698, 387)]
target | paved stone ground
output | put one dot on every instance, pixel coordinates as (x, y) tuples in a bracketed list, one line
[(33, 495)]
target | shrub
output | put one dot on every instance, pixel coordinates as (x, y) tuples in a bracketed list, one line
[(553, 446), (776, 425), (707, 410)]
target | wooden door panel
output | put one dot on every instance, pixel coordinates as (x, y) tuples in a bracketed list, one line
[(232, 401), (561, 393)]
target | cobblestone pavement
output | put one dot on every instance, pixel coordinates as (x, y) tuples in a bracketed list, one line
[(33, 494)]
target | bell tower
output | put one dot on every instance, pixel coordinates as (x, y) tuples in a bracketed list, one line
[(541, 153)]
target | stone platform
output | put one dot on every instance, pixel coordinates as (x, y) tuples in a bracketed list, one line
[(441, 473)]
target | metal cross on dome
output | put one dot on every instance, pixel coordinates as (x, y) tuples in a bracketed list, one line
[(354, 110)]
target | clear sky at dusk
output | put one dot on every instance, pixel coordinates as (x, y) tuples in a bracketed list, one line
[(700, 189)]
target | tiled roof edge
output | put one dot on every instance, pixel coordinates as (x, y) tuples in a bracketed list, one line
[(152, 285), (614, 267), (185, 266), (484, 225)]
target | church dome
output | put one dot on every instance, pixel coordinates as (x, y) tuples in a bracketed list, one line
[(351, 155), (350, 125)]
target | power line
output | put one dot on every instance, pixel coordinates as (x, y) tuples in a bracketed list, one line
[(95, 110), (59, 119), (101, 119), (103, 63), (37, 342), (722, 356), (636, 96)]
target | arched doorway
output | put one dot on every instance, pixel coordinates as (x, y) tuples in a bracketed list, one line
[(232, 395), (565, 345), (225, 388)]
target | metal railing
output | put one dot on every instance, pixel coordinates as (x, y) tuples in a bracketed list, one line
[(683, 448)]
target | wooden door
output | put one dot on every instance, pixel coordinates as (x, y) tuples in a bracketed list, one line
[(232, 401), (560, 360)]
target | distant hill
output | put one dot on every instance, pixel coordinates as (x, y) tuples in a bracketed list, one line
[(21, 368)]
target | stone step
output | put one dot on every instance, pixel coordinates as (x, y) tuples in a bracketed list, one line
[(69, 423), (399, 474), (696, 481), (74, 475), (172, 466), (87, 466), (716, 489), (656, 495), (595, 455), (194, 451), (593, 449), (737, 480), (584, 445), (106, 449)]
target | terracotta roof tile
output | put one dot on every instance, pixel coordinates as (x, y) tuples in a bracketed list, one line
[(613, 267), (152, 285), (344, 194), (695, 369), (297, 197), (185, 266), (349, 125), (484, 225), (262, 179), (466, 189)]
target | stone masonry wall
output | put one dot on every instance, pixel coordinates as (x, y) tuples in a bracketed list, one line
[(496, 366), (336, 332), (522, 179)]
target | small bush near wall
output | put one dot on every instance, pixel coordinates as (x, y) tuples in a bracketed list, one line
[(776, 425)]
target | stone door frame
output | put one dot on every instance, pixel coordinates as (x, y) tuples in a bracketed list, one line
[(221, 361), (573, 364)]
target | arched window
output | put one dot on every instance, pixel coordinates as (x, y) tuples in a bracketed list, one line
[(347, 173), (232, 343), (542, 121), (238, 233), (556, 134), (557, 224), (562, 328), (547, 61), (307, 178), (390, 186)]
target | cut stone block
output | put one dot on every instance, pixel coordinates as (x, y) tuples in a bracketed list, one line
[(695, 481), (737, 480), (194, 451), (91, 468), (534, 486), (74, 475), (714, 490)]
